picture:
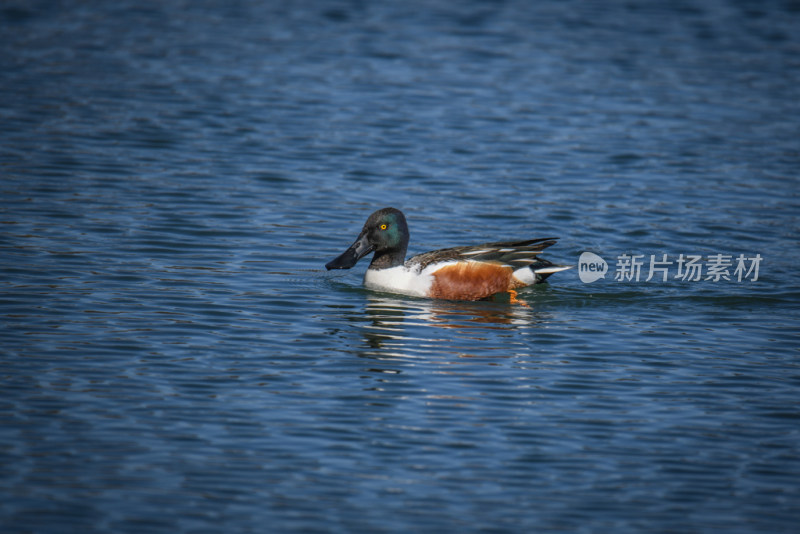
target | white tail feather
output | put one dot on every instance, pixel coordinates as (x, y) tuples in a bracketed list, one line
[(553, 269)]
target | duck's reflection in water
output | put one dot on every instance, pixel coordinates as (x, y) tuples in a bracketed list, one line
[(397, 327)]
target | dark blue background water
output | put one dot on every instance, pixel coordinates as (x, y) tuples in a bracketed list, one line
[(174, 175)]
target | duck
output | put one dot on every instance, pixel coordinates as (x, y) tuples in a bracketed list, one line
[(459, 273)]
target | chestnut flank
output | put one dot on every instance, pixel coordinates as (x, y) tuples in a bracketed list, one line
[(470, 280)]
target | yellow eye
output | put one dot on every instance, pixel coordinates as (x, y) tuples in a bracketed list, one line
[(383, 227)]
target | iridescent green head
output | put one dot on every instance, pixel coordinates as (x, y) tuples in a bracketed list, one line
[(386, 234)]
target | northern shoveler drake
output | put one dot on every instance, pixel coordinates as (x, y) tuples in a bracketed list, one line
[(459, 273)]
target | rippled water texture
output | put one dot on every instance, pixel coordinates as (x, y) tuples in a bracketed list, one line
[(174, 176)]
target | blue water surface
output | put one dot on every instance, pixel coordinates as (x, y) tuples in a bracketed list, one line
[(174, 175)]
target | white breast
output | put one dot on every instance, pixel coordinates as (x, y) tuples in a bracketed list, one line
[(399, 279)]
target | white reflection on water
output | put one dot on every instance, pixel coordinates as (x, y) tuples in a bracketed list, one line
[(418, 328)]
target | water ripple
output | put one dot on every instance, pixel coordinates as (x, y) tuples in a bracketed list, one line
[(174, 355)]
